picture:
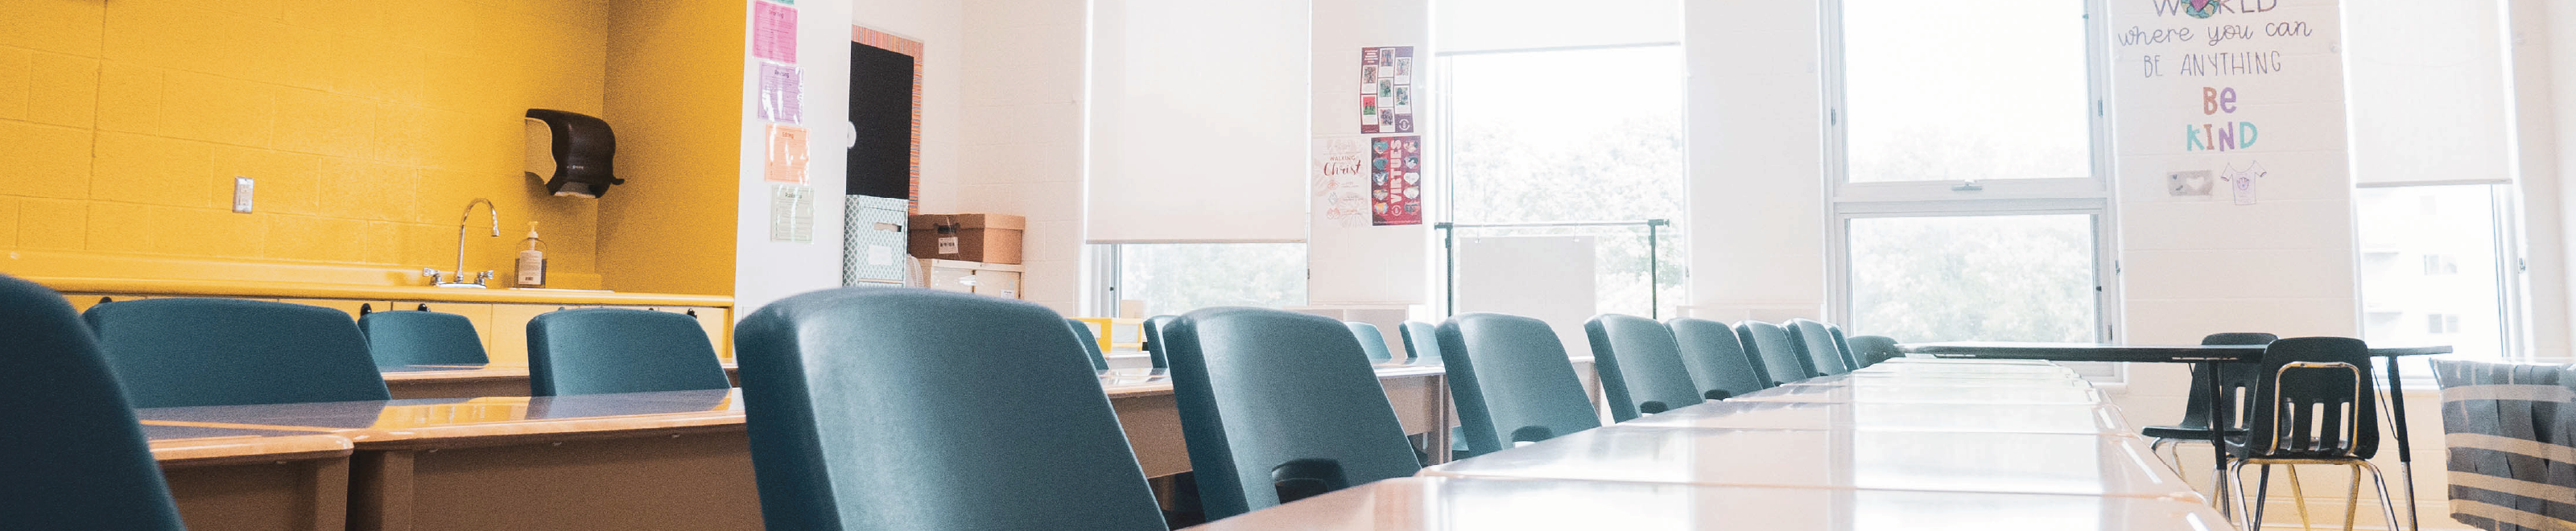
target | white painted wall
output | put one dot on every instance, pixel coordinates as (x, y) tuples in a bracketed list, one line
[(1757, 213), (1367, 265), (766, 271), (1020, 140)]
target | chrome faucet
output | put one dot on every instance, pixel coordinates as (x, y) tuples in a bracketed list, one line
[(456, 279)]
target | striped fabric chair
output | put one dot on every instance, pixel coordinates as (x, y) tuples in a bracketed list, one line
[(2512, 434)]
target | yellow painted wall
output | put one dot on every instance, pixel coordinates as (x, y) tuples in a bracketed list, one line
[(368, 125), (675, 89)]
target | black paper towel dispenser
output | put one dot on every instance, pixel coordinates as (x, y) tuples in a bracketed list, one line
[(572, 153)]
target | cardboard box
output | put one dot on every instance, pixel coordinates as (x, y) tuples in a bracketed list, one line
[(987, 238)]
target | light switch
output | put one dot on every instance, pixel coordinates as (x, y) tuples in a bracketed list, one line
[(241, 194)]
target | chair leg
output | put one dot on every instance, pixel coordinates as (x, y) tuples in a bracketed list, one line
[(2352, 499), (2385, 503), (2235, 476), (2298, 498), (2262, 488)]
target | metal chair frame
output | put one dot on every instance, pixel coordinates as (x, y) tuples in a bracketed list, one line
[(2351, 436)]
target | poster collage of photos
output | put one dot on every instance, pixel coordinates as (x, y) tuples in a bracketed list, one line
[(1395, 162)]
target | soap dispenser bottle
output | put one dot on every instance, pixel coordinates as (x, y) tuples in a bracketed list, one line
[(532, 260)]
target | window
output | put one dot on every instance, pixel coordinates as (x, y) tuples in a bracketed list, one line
[(1530, 145), (1970, 207), (1981, 278), (1174, 278), (2434, 269)]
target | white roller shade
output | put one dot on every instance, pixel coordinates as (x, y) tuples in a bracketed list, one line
[(1481, 25), (2430, 94), (1198, 120)]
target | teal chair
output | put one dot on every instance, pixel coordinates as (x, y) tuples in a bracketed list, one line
[(1814, 342), (1716, 359), (1512, 382), (1781, 362), (1851, 359), (1421, 341), (74, 458), (217, 352), (906, 408), (1278, 406), (422, 338), (1372, 342), (1874, 349), (1641, 366), (1154, 339), (1090, 344), (611, 350)]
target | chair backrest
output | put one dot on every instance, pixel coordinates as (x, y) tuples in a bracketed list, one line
[(1873, 349), (1715, 356), (2235, 383), (615, 350), (907, 408), (1641, 366), (1781, 361), (74, 456), (1090, 344), (1154, 339), (212, 352), (1422, 342), (1277, 406), (1512, 381), (1816, 344), (1851, 360), (1371, 341), (2315, 400), (422, 338)]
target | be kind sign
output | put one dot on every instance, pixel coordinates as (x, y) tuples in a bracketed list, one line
[(2215, 85)]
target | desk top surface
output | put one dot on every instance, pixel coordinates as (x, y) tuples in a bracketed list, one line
[(180, 444), (1464, 503), (2074, 419), (2131, 353), (2030, 463), (380, 422)]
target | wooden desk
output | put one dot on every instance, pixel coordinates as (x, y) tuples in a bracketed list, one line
[(1464, 503), (668, 460), (468, 381), (225, 478), (1143, 398)]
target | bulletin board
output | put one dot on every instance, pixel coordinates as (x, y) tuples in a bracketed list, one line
[(885, 107)]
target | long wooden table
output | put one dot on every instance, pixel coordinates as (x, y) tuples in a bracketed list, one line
[(231, 478), (1891, 447), (1992, 350), (466, 381), (667, 460)]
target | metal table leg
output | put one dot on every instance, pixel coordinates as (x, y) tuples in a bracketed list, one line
[(2217, 439), (2405, 451)]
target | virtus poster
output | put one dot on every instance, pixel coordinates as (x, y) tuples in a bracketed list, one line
[(1395, 180)]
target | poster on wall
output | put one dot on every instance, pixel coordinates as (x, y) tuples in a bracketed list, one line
[(1386, 89), (773, 32), (782, 93), (788, 153), (2239, 86), (1342, 180), (791, 213), (1395, 180)]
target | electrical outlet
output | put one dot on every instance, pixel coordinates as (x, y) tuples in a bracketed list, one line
[(241, 194)]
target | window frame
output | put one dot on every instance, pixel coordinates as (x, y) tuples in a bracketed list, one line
[(2090, 195), (1837, 161), (2512, 273), (1105, 268)]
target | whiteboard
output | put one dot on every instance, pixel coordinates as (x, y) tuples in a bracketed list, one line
[(1549, 278)]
